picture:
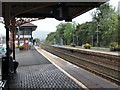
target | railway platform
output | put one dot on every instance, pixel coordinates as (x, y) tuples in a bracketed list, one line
[(96, 50), (36, 72), (41, 70)]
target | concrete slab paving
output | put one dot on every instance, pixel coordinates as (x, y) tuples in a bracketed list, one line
[(42, 76), (36, 72)]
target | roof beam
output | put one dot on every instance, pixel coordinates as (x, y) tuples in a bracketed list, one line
[(54, 0), (35, 15)]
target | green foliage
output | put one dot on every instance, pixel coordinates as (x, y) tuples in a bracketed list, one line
[(107, 19), (50, 38), (114, 46), (59, 32), (20, 47), (68, 33), (104, 25), (64, 31), (36, 40)]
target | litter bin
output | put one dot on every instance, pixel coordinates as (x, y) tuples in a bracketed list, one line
[(5, 68)]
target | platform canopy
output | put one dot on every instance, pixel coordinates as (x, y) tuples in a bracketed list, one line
[(64, 10), (58, 9)]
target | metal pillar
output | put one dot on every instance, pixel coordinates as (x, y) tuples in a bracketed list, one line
[(13, 36), (61, 40), (77, 41), (31, 40), (7, 26), (18, 36), (31, 34), (23, 33), (7, 45), (28, 42), (119, 22), (97, 34)]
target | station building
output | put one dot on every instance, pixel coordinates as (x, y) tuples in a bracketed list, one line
[(23, 36)]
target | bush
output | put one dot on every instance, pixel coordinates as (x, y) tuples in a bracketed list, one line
[(17, 46), (73, 45), (114, 46), (20, 47), (87, 46)]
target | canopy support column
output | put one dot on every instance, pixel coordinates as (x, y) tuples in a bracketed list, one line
[(13, 36)]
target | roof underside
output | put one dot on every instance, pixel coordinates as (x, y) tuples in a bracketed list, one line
[(28, 25), (26, 28), (41, 10)]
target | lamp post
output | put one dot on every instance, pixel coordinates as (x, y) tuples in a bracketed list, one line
[(18, 36), (73, 38), (83, 36), (61, 40), (119, 22), (54, 40), (97, 34), (77, 40), (92, 39), (61, 35), (74, 29)]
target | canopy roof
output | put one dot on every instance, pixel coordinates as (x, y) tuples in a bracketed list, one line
[(59, 10), (26, 29), (28, 25)]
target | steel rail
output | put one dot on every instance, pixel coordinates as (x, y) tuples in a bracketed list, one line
[(105, 71)]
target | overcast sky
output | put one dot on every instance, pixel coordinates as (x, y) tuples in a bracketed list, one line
[(48, 25)]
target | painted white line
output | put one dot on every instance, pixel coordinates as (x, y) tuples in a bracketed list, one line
[(74, 79)]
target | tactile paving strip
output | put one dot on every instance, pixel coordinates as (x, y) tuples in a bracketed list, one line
[(45, 76)]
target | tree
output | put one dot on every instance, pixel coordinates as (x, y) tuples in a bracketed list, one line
[(68, 33), (50, 38), (36, 40), (59, 33), (64, 31), (106, 18), (103, 29)]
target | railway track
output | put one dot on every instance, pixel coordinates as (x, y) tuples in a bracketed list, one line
[(104, 65)]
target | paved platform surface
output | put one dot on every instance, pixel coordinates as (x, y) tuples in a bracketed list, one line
[(36, 72), (92, 81), (116, 53)]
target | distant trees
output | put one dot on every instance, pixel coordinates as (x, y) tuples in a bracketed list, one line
[(36, 41), (51, 38), (107, 19), (102, 29), (63, 34)]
